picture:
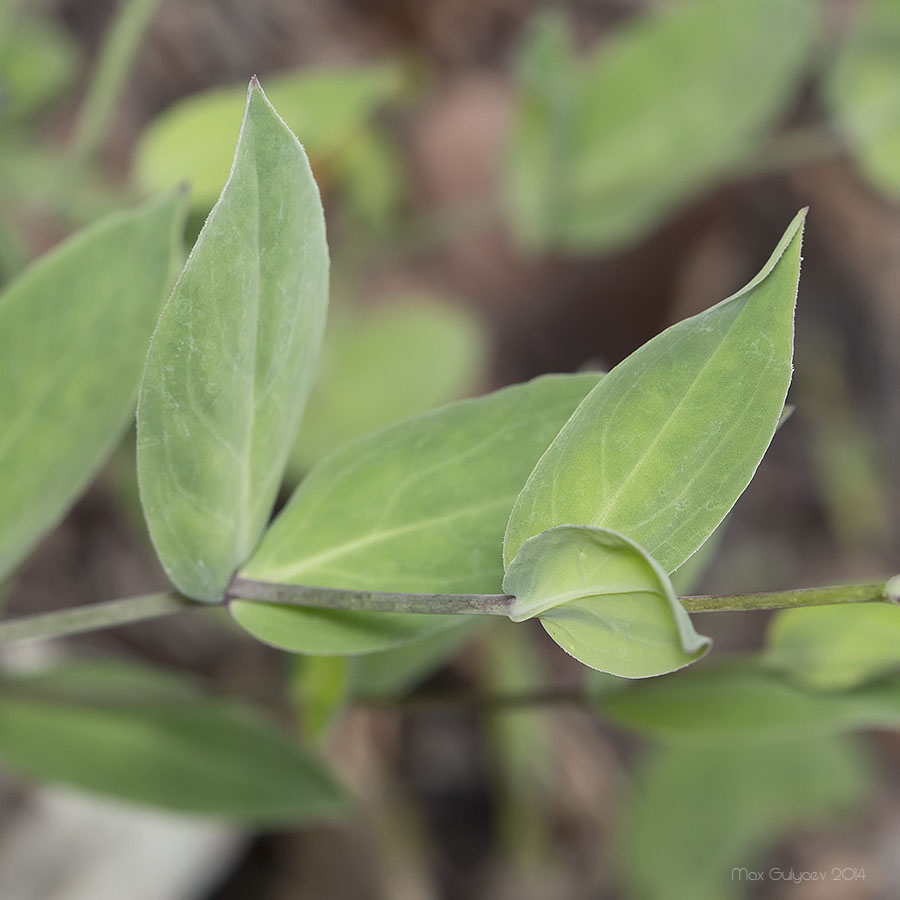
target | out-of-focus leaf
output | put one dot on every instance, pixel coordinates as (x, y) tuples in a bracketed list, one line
[(327, 107), (604, 147), (604, 600), (384, 365), (418, 507), (862, 92), (521, 744), (30, 177), (320, 688), (74, 329), (233, 359), (835, 647), (37, 62), (665, 444), (153, 739), (731, 701), (369, 174), (392, 673), (703, 815)]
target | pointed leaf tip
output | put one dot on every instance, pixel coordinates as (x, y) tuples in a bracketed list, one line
[(232, 360), (665, 444)]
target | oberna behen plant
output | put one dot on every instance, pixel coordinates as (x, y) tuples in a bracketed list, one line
[(572, 499)]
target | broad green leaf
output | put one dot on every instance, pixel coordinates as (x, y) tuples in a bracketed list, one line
[(701, 816), (232, 361), (727, 702), (665, 444), (417, 507), (74, 329), (604, 600), (835, 647), (862, 92), (604, 147), (327, 107), (383, 365), (134, 735)]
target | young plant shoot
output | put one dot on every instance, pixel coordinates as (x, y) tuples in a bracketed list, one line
[(572, 499)]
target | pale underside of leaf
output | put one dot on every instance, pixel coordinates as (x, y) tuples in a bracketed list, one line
[(232, 361), (73, 331), (603, 600)]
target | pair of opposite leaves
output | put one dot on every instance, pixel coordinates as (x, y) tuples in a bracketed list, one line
[(641, 467)]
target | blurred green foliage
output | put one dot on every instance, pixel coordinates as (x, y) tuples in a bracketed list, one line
[(606, 145), (38, 62), (835, 647), (380, 365), (146, 737), (698, 812), (329, 109), (861, 92)]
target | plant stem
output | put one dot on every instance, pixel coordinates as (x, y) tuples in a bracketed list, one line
[(498, 604), (876, 592), (368, 601), (92, 617), (484, 703), (110, 75), (96, 616)]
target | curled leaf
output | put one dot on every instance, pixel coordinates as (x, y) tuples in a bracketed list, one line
[(604, 600)]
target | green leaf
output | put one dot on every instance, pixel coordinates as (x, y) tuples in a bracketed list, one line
[(604, 600), (327, 107), (699, 812), (417, 507), (521, 744), (321, 686), (835, 647), (383, 365), (38, 61), (232, 361), (861, 92), (369, 172), (74, 328), (665, 444), (603, 148), (392, 673), (134, 735), (731, 701)]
